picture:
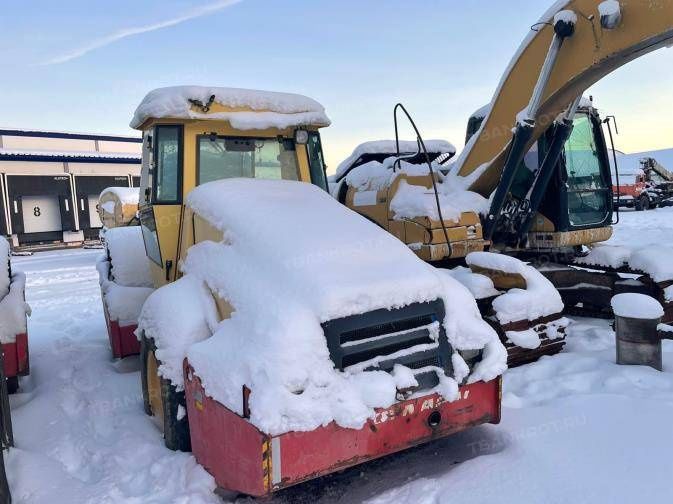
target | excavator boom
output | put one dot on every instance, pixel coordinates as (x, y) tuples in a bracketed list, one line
[(592, 52)]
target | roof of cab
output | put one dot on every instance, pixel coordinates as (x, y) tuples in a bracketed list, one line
[(244, 109)]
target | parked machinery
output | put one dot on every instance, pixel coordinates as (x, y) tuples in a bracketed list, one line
[(211, 134), (125, 284), (87, 189), (649, 186), (13, 320), (118, 206), (537, 153)]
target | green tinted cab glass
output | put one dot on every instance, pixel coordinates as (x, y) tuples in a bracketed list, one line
[(316, 161), (588, 192), (168, 162), (230, 157)]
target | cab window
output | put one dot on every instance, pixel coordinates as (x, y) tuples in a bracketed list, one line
[(229, 157), (148, 227), (168, 164), (588, 193), (316, 160)]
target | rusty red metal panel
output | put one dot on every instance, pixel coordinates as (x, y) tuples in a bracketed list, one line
[(10, 362), (115, 340), (15, 356), (123, 341), (230, 448), (306, 455), (128, 343), (22, 361), (237, 454)]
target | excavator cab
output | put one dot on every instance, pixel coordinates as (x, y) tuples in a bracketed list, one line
[(207, 134), (579, 194)]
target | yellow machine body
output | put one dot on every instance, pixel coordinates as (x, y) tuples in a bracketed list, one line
[(590, 54)]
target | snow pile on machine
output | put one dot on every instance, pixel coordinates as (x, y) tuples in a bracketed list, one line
[(244, 109), (13, 319), (398, 193), (412, 200), (519, 302), (125, 285), (291, 262), (175, 317), (13, 307), (655, 262), (118, 206), (388, 148)]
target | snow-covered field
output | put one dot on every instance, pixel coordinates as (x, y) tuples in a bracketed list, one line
[(576, 427)]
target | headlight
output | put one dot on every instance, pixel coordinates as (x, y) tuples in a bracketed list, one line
[(611, 14), (471, 357), (301, 137)]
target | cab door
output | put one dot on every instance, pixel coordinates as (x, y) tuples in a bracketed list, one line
[(161, 219)]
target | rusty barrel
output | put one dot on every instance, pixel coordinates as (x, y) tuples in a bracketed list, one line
[(637, 318)]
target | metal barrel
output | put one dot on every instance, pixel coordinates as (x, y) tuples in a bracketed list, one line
[(638, 342)]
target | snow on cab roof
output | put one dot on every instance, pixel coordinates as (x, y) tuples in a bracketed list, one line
[(253, 109), (390, 147)]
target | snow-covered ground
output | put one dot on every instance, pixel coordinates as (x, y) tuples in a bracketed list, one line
[(576, 427)]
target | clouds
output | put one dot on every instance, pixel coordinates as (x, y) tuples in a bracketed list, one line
[(194, 13)]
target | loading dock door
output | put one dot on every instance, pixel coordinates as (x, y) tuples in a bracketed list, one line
[(94, 218), (41, 214)]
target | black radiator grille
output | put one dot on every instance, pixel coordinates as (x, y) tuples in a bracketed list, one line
[(369, 339), (432, 361), (393, 326), (422, 338)]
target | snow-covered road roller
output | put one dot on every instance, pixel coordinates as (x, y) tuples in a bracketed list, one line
[(13, 320), (289, 337), (125, 284)]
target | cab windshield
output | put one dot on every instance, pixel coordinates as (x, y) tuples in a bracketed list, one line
[(229, 157), (588, 191)]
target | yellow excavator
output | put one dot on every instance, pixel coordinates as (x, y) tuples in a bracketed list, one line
[(537, 152)]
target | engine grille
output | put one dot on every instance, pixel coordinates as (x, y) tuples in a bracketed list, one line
[(412, 336)]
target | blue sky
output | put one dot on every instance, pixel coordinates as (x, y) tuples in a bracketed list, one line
[(84, 66)]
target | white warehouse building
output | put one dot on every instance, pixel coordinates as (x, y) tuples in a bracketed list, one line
[(50, 182)]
